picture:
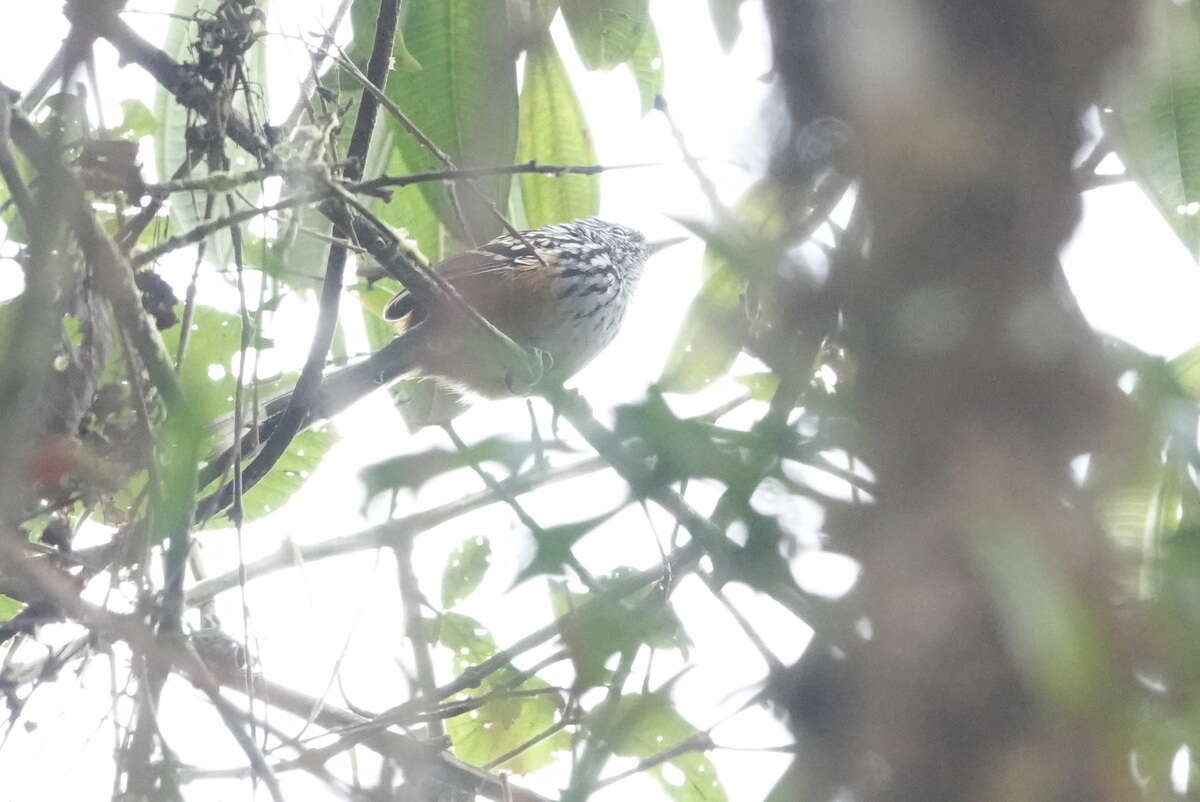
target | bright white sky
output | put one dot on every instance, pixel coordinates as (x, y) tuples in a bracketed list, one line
[(1133, 279)]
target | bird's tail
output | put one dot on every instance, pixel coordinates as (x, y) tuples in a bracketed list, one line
[(338, 390), (343, 387)]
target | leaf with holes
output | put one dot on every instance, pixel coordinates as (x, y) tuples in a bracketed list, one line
[(136, 121), (294, 468), (509, 721), (646, 725), (465, 569), (647, 67)]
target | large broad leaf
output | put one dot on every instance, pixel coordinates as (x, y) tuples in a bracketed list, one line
[(464, 98), (1158, 116), (172, 120), (606, 32), (554, 131)]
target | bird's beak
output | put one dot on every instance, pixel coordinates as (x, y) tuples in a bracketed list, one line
[(660, 244)]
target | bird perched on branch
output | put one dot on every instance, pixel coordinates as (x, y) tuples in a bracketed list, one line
[(560, 291)]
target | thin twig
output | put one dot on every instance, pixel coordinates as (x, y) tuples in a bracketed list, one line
[(318, 56), (414, 625), (528, 744), (524, 517), (299, 404), (463, 174), (700, 742), (204, 230), (439, 154), (386, 534)]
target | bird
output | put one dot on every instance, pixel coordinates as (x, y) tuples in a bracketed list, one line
[(560, 291)]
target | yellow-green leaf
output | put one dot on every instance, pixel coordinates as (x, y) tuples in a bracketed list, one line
[(553, 130)]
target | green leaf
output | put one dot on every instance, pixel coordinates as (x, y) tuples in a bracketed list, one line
[(72, 330), (469, 640), (408, 209), (465, 569), (209, 378), (715, 329), (9, 608), (464, 99), (1158, 116), (599, 630), (647, 67), (506, 722), (553, 549), (646, 725), (294, 468), (726, 21), (529, 19), (136, 123), (554, 130), (364, 15), (180, 445), (606, 32), (712, 334), (209, 366), (214, 339), (762, 386), (1185, 369), (682, 448)]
